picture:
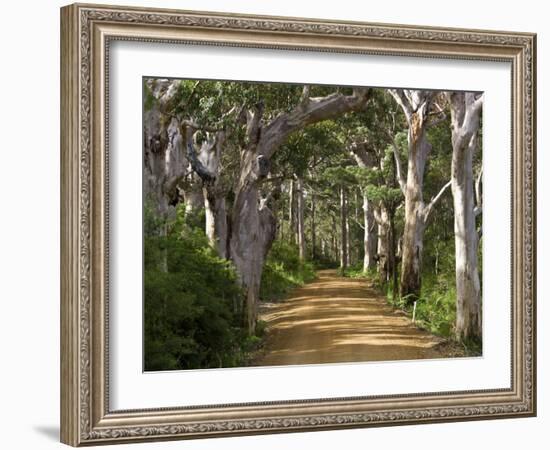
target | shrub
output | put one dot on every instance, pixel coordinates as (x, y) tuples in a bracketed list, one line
[(283, 271), (436, 310), (436, 307), (191, 302)]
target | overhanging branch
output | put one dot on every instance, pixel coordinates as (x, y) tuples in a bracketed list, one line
[(434, 200)]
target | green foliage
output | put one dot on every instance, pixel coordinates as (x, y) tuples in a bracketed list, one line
[(148, 97), (283, 271), (387, 195), (436, 307), (355, 271), (192, 302), (339, 176), (307, 147)]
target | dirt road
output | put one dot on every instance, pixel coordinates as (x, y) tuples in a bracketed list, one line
[(336, 319)]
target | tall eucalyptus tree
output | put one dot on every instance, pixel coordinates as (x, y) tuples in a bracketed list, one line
[(465, 125), (417, 105)]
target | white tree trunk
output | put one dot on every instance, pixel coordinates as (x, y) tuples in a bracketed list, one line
[(465, 115), (413, 245), (383, 256), (300, 218), (216, 223), (334, 239), (369, 239), (313, 227), (468, 296), (416, 106), (348, 237), (343, 230), (292, 212), (214, 195)]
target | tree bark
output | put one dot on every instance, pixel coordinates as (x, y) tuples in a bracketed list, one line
[(165, 163), (214, 194), (292, 213), (369, 237), (300, 218), (383, 256), (465, 121), (392, 251), (334, 240), (313, 229), (216, 223), (252, 235), (348, 237), (343, 230), (366, 160), (416, 106)]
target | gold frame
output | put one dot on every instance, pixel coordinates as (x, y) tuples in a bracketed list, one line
[(86, 31)]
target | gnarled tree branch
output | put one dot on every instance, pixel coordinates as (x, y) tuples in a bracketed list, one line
[(198, 167), (403, 101), (311, 111)]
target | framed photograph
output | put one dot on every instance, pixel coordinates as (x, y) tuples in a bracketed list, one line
[(274, 224)]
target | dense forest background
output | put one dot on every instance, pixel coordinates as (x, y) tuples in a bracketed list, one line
[(249, 188)]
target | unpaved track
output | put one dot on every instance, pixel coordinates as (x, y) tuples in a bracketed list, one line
[(336, 319)]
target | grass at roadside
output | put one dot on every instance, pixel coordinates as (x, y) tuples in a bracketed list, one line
[(435, 309)]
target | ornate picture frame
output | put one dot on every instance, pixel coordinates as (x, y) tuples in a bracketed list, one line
[(86, 34)]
